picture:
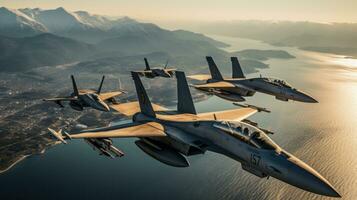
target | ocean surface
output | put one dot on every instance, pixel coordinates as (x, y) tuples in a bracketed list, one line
[(324, 135)]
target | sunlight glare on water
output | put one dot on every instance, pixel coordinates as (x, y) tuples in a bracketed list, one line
[(345, 61), (332, 59)]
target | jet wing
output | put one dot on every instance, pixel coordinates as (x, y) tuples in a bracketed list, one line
[(229, 115), (215, 85), (108, 95), (222, 85), (226, 115), (150, 129), (131, 108), (200, 77), (170, 70)]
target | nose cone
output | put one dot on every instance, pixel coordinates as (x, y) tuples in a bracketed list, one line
[(303, 176), (300, 96)]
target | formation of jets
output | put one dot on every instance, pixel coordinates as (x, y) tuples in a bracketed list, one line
[(171, 136)]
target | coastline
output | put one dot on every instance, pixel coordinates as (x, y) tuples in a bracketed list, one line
[(14, 163)]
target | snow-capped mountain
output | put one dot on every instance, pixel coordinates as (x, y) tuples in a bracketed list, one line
[(98, 21), (58, 20), (28, 22), (16, 23)]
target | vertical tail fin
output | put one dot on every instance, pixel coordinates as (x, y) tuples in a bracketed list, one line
[(75, 89), (216, 75), (185, 102), (144, 101), (100, 86), (147, 64), (167, 62), (236, 68)]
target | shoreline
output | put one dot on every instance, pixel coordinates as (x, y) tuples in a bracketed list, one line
[(14, 163)]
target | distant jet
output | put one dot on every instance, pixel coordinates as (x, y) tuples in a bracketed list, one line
[(154, 72), (87, 98), (238, 87), (170, 136)]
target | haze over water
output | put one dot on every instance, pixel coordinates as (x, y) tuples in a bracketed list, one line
[(323, 135)]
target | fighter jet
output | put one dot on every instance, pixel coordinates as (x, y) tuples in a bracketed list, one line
[(154, 72), (238, 87), (87, 98), (172, 136)]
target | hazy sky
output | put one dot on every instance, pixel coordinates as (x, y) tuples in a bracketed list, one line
[(208, 10)]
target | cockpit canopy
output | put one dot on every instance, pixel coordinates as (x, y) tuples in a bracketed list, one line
[(278, 82), (247, 133), (95, 97)]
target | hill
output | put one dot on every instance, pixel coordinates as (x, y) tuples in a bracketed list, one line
[(21, 54)]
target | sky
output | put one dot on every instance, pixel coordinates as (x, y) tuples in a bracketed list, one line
[(207, 10)]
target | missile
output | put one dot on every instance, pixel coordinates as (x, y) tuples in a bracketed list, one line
[(259, 109), (116, 151), (250, 122), (105, 147)]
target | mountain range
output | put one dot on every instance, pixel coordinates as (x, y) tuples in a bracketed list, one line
[(27, 22), (81, 25), (27, 33)]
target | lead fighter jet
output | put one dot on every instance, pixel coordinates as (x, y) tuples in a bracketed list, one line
[(238, 87), (172, 136), (154, 72), (87, 98)]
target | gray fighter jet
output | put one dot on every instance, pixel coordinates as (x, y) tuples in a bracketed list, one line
[(172, 136), (154, 72), (87, 98), (238, 87)]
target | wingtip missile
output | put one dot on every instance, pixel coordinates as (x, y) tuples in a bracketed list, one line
[(259, 109)]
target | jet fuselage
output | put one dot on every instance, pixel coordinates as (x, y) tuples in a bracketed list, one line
[(247, 144), (89, 98), (154, 72), (278, 88)]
